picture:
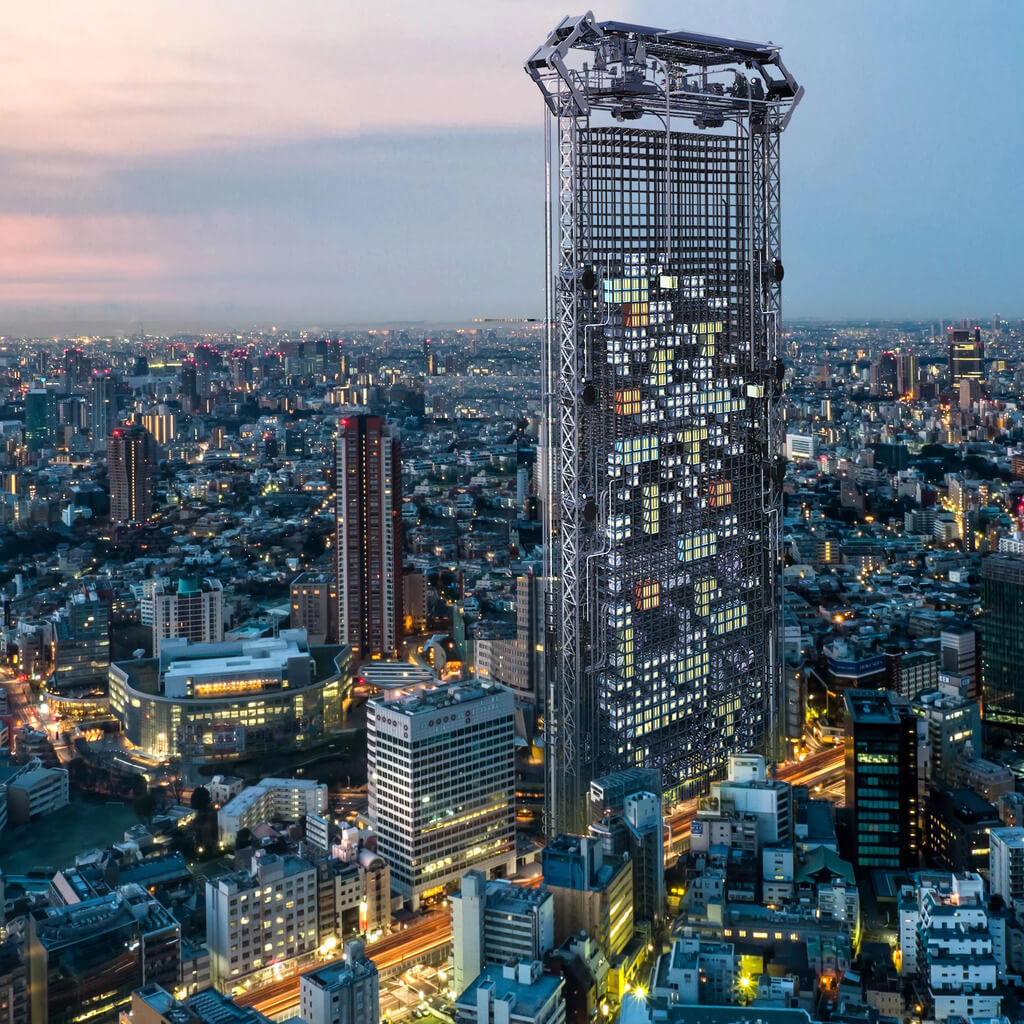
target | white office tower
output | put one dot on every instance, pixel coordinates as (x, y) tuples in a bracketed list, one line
[(344, 992), (441, 769), (1006, 863), (514, 993), (258, 917), (497, 921), (946, 943)]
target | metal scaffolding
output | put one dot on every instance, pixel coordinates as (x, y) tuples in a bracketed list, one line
[(662, 375)]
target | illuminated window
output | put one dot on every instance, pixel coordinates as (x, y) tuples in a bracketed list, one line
[(648, 595)]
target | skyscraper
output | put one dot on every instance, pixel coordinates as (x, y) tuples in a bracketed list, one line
[(1002, 643), (662, 375), (881, 779), (101, 408), (193, 609), (369, 548), (131, 459), (966, 355), (40, 418)]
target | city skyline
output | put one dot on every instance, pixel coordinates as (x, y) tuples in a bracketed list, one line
[(185, 173)]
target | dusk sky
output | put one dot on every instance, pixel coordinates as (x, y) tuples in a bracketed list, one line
[(195, 164)]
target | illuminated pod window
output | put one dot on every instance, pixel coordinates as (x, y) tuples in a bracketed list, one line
[(650, 493), (732, 616), (692, 546), (703, 592), (620, 527), (648, 594)]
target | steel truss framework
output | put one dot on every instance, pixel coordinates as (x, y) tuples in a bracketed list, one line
[(661, 381)]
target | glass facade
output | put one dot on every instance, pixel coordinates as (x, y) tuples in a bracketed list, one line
[(1002, 643)]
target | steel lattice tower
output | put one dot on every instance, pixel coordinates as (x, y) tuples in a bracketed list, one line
[(661, 378)]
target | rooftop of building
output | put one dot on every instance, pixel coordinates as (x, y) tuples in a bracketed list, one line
[(241, 802), (341, 971), (433, 698), (872, 707), (62, 926), (525, 999)]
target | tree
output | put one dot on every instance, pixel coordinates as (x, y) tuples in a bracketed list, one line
[(201, 799), (243, 838), (144, 806)]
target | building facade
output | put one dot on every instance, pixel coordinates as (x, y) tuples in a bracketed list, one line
[(369, 541), (1002, 643), (259, 917), (882, 779), (131, 459), (441, 767), (314, 606), (662, 454), (344, 992), (192, 609), (966, 355)]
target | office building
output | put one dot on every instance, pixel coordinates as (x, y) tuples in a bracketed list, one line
[(440, 766), (497, 921), (206, 700), (882, 779), (662, 456), (284, 800), (81, 646), (946, 945), (593, 891), (259, 917), (633, 798), (34, 790), (14, 1006), (85, 960), (343, 992), (40, 419), (518, 662), (748, 792), (1006, 864), (153, 1004), (966, 355), (314, 606), (514, 993), (101, 408), (191, 609), (369, 541), (131, 459), (954, 728), (1002, 643), (957, 823)]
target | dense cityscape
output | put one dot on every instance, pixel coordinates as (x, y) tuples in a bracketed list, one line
[(659, 661)]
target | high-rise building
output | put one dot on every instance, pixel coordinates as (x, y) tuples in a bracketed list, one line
[(85, 960), (131, 459), (593, 891), (344, 992), (662, 380), (369, 546), (966, 355), (192, 609), (881, 779), (441, 766), (1006, 864), (101, 408), (81, 645), (518, 662), (257, 917), (314, 600), (1002, 643), (40, 419), (497, 921)]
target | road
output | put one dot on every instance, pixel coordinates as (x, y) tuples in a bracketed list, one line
[(430, 932), (814, 769)]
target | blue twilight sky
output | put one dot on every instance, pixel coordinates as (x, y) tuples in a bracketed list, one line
[(194, 164)]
